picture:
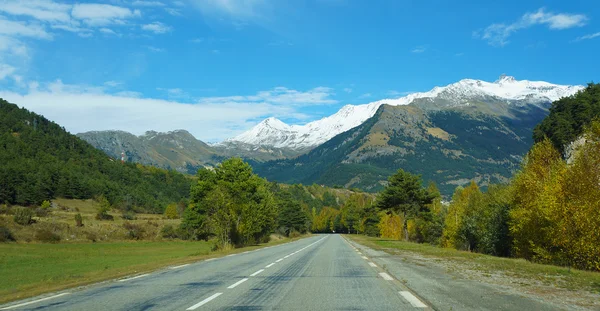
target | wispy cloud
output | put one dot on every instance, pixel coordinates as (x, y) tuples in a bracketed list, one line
[(588, 37), (196, 40), (94, 14), (154, 49), (498, 34), (23, 29), (157, 28), (419, 49), (459, 54), (147, 3), (281, 96), (348, 90), (366, 95), (173, 11), (5, 71)]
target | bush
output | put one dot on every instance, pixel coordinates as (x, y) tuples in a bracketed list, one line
[(168, 232), (47, 236), (128, 215), (92, 236), (78, 220), (294, 234), (23, 216), (171, 211), (103, 209), (6, 235), (134, 231), (46, 204), (5, 209), (41, 212)]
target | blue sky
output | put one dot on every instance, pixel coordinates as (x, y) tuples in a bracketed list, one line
[(217, 67)]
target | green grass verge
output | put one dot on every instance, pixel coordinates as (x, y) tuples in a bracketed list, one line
[(562, 277), (31, 269)]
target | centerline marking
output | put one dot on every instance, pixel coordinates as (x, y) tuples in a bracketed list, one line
[(31, 302), (364, 257), (237, 283), (257, 272), (135, 277), (414, 301), (278, 260), (269, 265), (386, 276), (372, 265), (196, 306)]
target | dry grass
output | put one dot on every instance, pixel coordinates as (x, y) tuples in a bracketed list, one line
[(439, 133)]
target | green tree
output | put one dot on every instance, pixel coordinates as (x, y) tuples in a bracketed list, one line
[(406, 196), (171, 211)]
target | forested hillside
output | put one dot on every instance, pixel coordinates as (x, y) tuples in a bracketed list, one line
[(40, 160), (569, 116)]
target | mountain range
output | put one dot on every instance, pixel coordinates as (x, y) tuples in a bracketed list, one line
[(470, 129)]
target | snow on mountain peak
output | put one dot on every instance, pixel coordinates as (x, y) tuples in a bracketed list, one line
[(273, 132)]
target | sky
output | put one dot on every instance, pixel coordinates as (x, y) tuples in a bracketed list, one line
[(218, 67)]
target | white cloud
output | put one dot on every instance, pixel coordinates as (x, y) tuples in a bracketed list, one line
[(588, 37), (108, 31), (498, 34), (348, 90), (174, 12), (419, 49), (154, 49), (157, 27), (12, 47), (147, 3), (85, 108), (103, 14), (179, 3), (113, 83), (281, 96), (44, 10), (234, 8), (366, 95), (6, 71), (196, 40), (22, 29)]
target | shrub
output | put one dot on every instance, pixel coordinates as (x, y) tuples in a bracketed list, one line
[(92, 236), (128, 215), (294, 234), (6, 235), (23, 216), (5, 209), (78, 220), (46, 204), (134, 231), (171, 211), (103, 209), (47, 236), (41, 212), (168, 232)]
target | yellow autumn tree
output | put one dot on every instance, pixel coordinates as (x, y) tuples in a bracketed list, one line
[(171, 211), (538, 194), (390, 226), (577, 221), (456, 211)]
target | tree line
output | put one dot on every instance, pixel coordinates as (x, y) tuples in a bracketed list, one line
[(40, 160)]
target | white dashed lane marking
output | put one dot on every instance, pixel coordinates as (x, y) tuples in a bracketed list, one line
[(372, 265), (32, 302), (133, 278), (269, 265), (237, 283), (257, 272), (414, 301), (198, 305), (385, 276)]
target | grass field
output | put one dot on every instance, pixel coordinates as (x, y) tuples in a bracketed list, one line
[(560, 277), (34, 268)]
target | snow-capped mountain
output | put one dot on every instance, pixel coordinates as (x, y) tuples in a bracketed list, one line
[(275, 133)]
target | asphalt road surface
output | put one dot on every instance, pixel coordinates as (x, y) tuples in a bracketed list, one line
[(323, 272)]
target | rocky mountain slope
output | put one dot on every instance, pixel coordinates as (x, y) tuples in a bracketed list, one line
[(178, 150), (275, 133), (484, 140)]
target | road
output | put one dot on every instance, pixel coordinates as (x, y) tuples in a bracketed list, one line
[(324, 272)]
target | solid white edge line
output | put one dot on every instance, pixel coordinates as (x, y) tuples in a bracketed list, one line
[(135, 277), (385, 276), (372, 265), (211, 259), (414, 301), (177, 267), (32, 302), (365, 258), (237, 283), (257, 272), (196, 306), (270, 265)]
